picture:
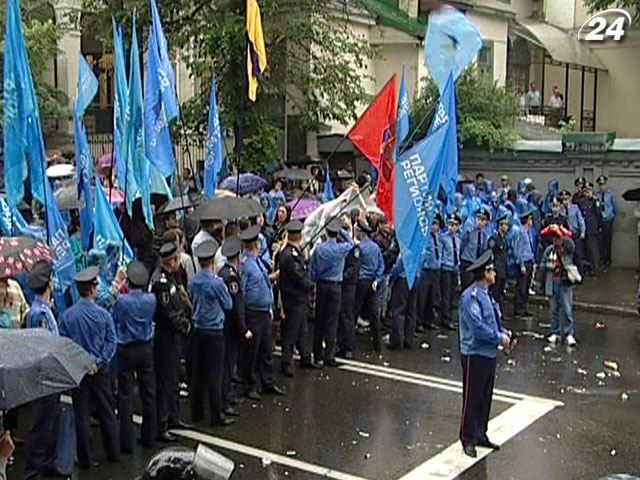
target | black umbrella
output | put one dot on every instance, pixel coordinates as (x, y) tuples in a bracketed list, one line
[(632, 195), (293, 174), (35, 363), (180, 203), (228, 208)]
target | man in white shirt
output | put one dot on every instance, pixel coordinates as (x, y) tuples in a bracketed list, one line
[(556, 100), (534, 100), (208, 229)]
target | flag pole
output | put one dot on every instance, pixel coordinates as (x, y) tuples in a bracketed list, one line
[(113, 158), (46, 200)]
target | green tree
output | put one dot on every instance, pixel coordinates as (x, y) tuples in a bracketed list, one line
[(486, 112), (632, 6), (314, 62)]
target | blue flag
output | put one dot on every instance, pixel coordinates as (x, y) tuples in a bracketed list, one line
[(215, 156), (158, 184), (404, 110), (107, 228), (87, 85), (451, 44), (13, 224), (160, 103), (134, 135), (327, 193)]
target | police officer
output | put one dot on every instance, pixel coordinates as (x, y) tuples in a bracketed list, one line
[(235, 328), (429, 283), (41, 441), (580, 183), (592, 213), (608, 205), (473, 243), (258, 302), (210, 299), (347, 321), (499, 247), (480, 335), (133, 318), (576, 225), (525, 261), (91, 327), (295, 286), (403, 308), (326, 270), (171, 324), (370, 281), (449, 270)]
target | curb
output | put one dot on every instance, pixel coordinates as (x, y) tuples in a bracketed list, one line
[(591, 307)]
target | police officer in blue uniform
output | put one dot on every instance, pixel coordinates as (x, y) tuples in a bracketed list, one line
[(403, 308), (592, 213), (295, 287), (428, 302), (236, 332), (210, 299), (473, 243), (258, 303), (499, 246), (608, 206), (577, 227), (347, 321), (133, 318), (91, 327), (41, 441), (525, 261), (326, 270), (480, 335), (449, 270)]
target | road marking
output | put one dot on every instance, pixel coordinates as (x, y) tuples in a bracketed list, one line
[(319, 470), (451, 462)]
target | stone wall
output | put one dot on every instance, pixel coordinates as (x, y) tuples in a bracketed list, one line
[(622, 168)]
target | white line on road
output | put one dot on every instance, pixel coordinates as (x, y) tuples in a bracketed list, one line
[(451, 462)]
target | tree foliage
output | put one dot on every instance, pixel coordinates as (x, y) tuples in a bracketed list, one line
[(486, 112), (313, 61), (632, 6)]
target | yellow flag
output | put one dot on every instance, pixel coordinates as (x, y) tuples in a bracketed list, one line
[(256, 53)]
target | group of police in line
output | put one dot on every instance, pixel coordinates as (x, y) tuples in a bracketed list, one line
[(228, 312)]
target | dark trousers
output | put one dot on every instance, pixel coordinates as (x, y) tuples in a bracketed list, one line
[(95, 391), (497, 290), (325, 328), (41, 443), (368, 306), (208, 374), (135, 362), (466, 278), (166, 350), (578, 253), (403, 312), (448, 288), (232, 346), (523, 282), (428, 296), (606, 237), (347, 322), (478, 374), (592, 245), (294, 329), (257, 360)]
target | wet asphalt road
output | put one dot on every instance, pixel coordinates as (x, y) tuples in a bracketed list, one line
[(376, 423)]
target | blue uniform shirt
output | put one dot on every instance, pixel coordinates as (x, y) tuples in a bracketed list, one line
[(133, 317), (210, 299), (576, 220), (371, 261), (327, 260), (41, 316), (524, 247), (608, 203), (432, 254), (479, 316), (256, 285), (469, 243), (450, 252), (91, 327)]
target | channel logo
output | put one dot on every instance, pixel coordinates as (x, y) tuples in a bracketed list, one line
[(608, 24)]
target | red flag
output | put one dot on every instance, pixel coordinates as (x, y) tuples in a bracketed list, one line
[(374, 135)]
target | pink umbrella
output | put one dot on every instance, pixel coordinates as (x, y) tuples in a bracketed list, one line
[(106, 161), (303, 209), (117, 195)]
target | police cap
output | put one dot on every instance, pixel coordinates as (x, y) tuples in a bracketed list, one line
[(565, 194), (454, 218), (503, 218), (526, 214), (485, 262), (87, 276), (294, 226), (168, 251), (580, 181), (483, 214), (589, 186), (205, 250), (602, 179), (364, 226), (137, 274), (344, 175), (40, 274), (334, 227), (251, 234), (231, 247)]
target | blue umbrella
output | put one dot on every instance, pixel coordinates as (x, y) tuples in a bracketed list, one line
[(249, 183)]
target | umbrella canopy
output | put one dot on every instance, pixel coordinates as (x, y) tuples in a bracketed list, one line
[(554, 229), (180, 203), (105, 161), (115, 195), (61, 170), (303, 208), (632, 195), (35, 363), (293, 174), (18, 254), (67, 197), (228, 208), (249, 183)]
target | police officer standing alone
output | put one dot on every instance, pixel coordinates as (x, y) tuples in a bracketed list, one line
[(609, 210), (480, 335), (210, 299), (171, 324), (498, 245), (133, 319), (91, 327)]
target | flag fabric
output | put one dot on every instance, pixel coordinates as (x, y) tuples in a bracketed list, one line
[(418, 177), (327, 193), (374, 135), (402, 127), (13, 224), (160, 103), (158, 184), (135, 148), (107, 228), (214, 155), (256, 52), (87, 89), (451, 43)]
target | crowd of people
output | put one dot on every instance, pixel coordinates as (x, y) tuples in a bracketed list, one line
[(217, 298)]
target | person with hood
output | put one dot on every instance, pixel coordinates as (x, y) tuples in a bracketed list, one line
[(552, 192), (470, 204), (269, 207), (525, 259)]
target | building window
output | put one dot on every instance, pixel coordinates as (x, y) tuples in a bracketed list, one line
[(485, 60)]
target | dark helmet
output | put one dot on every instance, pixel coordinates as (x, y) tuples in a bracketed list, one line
[(180, 463)]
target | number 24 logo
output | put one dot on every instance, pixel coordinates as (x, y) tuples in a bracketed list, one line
[(599, 24)]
